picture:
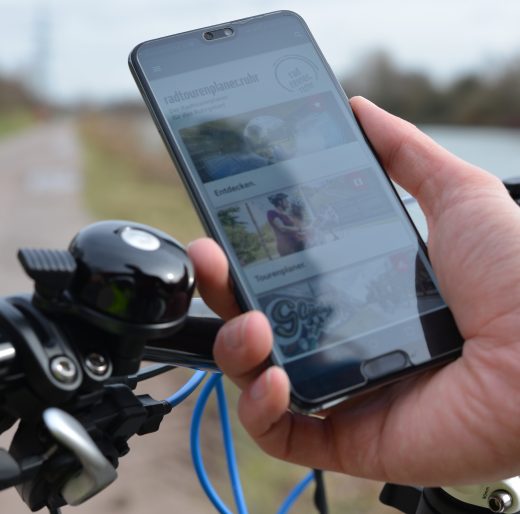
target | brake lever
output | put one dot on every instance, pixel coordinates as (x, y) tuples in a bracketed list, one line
[(96, 473)]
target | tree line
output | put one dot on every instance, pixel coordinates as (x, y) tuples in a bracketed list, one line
[(476, 98), (14, 95)]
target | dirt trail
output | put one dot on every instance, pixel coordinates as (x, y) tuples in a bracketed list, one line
[(41, 206), (40, 195)]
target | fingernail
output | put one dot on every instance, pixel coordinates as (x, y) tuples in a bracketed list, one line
[(261, 387), (232, 333)]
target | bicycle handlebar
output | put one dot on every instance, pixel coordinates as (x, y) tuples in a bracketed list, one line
[(192, 346), (69, 359)]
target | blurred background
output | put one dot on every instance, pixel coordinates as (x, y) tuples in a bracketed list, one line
[(77, 145)]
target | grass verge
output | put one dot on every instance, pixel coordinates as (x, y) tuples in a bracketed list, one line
[(14, 121), (115, 189)]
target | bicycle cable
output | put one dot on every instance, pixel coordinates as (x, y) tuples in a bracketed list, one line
[(187, 388), (296, 493), (215, 383)]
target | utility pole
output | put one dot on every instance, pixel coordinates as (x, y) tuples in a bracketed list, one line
[(39, 64)]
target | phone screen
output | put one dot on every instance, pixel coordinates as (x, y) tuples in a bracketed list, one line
[(285, 180)]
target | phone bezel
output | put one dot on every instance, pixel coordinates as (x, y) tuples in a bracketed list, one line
[(299, 402)]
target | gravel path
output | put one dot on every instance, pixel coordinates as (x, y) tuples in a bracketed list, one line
[(41, 206)]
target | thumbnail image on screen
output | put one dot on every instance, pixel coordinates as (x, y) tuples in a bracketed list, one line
[(230, 146), (342, 305), (294, 219)]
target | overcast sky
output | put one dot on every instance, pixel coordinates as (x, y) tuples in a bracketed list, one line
[(82, 45)]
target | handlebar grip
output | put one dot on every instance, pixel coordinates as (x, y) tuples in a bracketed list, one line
[(193, 345)]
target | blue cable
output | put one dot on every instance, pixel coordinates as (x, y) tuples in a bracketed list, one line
[(186, 389), (215, 381), (295, 493), (196, 453), (227, 436)]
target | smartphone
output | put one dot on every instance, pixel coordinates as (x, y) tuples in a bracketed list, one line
[(284, 179)]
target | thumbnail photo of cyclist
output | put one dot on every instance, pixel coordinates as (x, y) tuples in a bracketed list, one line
[(288, 230)]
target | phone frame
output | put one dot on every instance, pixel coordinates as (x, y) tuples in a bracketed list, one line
[(298, 403)]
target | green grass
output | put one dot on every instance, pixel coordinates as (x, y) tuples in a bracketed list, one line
[(14, 121), (117, 190)]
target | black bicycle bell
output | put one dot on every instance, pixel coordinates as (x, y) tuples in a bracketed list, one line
[(124, 277)]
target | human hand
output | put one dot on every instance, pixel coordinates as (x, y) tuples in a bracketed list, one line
[(452, 425)]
